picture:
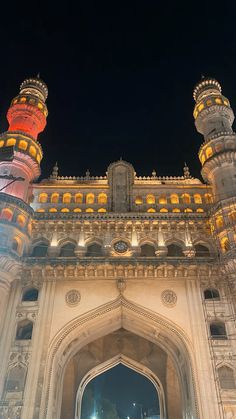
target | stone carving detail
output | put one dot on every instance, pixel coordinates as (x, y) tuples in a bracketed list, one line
[(169, 298), (73, 297), (13, 412), (121, 285)]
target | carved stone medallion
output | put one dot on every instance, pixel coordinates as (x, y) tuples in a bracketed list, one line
[(169, 298), (73, 297)]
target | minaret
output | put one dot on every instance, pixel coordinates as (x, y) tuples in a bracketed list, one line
[(27, 118), (214, 118)]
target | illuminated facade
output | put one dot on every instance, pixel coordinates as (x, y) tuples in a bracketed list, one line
[(100, 270)]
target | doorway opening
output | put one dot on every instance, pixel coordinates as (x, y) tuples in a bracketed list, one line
[(120, 393)]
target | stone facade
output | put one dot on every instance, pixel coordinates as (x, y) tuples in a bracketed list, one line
[(96, 271)]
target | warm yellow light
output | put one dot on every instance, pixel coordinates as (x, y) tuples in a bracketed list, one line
[(162, 199), (176, 210), (21, 220), (138, 200), (77, 210), (40, 210), (150, 199), (65, 210), (186, 199), (43, 197), (89, 210), (199, 210), (219, 221), (32, 151), (163, 210), (66, 198), (54, 198), (11, 141), (218, 101), (201, 107), (209, 152), (209, 102), (102, 210), (208, 198), (1, 143), (151, 210), (40, 106), (79, 198), (52, 210), (102, 198), (23, 99), (23, 145), (197, 198), (188, 210), (225, 244), (90, 198), (174, 199)]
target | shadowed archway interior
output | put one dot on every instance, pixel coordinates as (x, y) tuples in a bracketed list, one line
[(135, 352)]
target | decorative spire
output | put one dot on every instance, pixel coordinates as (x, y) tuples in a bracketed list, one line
[(54, 174), (154, 173), (186, 171), (87, 174)]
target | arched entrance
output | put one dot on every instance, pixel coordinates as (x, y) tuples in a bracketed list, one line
[(119, 392), (120, 331)]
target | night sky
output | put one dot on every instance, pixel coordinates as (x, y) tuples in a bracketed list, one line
[(120, 77)]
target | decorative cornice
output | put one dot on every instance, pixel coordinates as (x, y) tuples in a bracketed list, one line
[(9, 199)]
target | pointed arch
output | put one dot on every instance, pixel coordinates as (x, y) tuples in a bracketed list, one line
[(115, 315)]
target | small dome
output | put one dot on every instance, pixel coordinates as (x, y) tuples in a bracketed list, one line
[(32, 84), (205, 83)]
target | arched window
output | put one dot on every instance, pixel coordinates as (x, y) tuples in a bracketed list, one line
[(176, 210), (150, 199), (79, 198), (40, 250), (186, 198), (102, 210), (218, 330), (24, 330), (188, 210), (67, 250), (174, 199), (219, 221), (151, 210), (209, 152), (55, 198), (77, 210), (197, 198), (208, 198), (199, 210), (89, 210), (6, 214), (43, 197), (65, 210), (102, 198), (201, 251), (147, 250), (16, 243), (174, 250), (211, 294), (94, 250), (138, 200), (66, 199), (90, 198), (226, 378), (31, 294), (52, 210), (162, 199), (21, 220), (15, 381), (225, 246), (163, 210)]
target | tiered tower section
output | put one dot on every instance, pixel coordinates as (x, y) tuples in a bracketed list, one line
[(213, 118), (27, 118)]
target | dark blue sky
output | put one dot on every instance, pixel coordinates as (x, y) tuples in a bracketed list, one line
[(120, 77), (123, 386)]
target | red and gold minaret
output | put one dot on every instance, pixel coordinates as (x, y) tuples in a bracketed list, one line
[(27, 118)]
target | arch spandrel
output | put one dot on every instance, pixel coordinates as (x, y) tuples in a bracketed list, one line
[(118, 314)]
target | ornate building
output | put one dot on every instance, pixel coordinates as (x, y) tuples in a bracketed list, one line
[(96, 271)]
